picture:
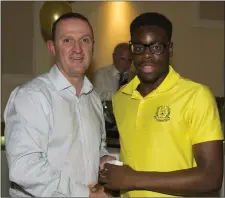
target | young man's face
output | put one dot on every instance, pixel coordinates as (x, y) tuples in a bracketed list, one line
[(151, 64)]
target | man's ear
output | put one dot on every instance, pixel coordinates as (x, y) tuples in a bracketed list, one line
[(114, 57), (93, 48), (171, 50), (51, 47)]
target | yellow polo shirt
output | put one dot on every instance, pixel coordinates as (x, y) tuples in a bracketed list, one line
[(157, 131)]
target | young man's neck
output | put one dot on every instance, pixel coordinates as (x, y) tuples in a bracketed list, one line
[(146, 88)]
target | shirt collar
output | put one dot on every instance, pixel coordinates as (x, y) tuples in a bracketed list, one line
[(60, 82), (168, 83), (115, 72)]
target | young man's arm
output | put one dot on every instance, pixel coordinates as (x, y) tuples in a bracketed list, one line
[(206, 177)]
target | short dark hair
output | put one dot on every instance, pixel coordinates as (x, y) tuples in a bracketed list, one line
[(69, 15), (152, 18)]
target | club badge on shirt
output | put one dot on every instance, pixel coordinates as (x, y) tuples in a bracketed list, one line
[(162, 114)]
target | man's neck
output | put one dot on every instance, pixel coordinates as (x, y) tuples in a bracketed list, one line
[(146, 88), (77, 83), (119, 70)]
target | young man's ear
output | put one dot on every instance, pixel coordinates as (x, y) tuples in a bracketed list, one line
[(171, 50), (51, 47)]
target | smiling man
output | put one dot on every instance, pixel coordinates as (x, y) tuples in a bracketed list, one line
[(170, 132), (55, 129)]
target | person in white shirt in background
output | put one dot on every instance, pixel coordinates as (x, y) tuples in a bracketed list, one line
[(107, 80), (55, 129)]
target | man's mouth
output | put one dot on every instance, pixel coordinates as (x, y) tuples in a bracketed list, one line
[(76, 58), (148, 68)]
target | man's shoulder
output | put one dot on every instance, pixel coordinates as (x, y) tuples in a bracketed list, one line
[(38, 83), (95, 95), (104, 69), (186, 83), (37, 87), (96, 98), (196, 91), (119, 95)]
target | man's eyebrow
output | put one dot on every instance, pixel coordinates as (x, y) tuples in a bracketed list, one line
[(65, 36), (83, 36), (87, 35)]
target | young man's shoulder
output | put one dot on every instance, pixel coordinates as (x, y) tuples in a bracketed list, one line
[(188, 84)]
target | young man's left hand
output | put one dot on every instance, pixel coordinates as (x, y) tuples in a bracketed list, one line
[(116, 177)]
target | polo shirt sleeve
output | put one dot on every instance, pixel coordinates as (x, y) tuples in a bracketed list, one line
[(205, 124)]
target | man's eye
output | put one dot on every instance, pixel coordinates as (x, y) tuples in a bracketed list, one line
[(138, 48), (86, 40), (67, 40), (156, 47)]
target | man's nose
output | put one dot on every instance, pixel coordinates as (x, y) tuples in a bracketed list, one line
[(77, 47), (147, 53)]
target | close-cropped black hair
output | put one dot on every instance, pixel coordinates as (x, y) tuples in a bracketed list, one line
[(69, 15), (152, 18)]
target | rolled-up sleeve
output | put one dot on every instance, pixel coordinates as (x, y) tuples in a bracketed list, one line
[(26, 135)]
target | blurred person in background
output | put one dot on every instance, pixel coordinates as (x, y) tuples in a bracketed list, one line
[(107, 80)]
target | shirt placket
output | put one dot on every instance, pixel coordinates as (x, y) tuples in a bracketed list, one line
[(139, 128), (82, 136)]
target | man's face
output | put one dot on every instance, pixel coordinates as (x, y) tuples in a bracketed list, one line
[(149, 66), (122, 59), (73, 46)]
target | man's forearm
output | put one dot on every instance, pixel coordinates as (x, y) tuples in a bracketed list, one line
[(38, 178), (183, 182)]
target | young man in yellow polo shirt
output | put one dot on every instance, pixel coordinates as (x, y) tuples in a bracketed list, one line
[(170, 132)]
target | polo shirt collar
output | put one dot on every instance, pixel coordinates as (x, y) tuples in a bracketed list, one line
[(168, 83)]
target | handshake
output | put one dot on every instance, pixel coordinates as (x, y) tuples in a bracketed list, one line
[(98, 190)]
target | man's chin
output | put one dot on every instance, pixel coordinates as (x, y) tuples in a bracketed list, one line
[(78, 70), (77, 73), (147, 77)]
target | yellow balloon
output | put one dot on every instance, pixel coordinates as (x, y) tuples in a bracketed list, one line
[(49, 13)]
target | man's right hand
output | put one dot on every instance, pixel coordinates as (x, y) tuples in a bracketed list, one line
[(98, 191)]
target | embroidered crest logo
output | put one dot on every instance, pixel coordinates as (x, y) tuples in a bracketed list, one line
[(162, 114)]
